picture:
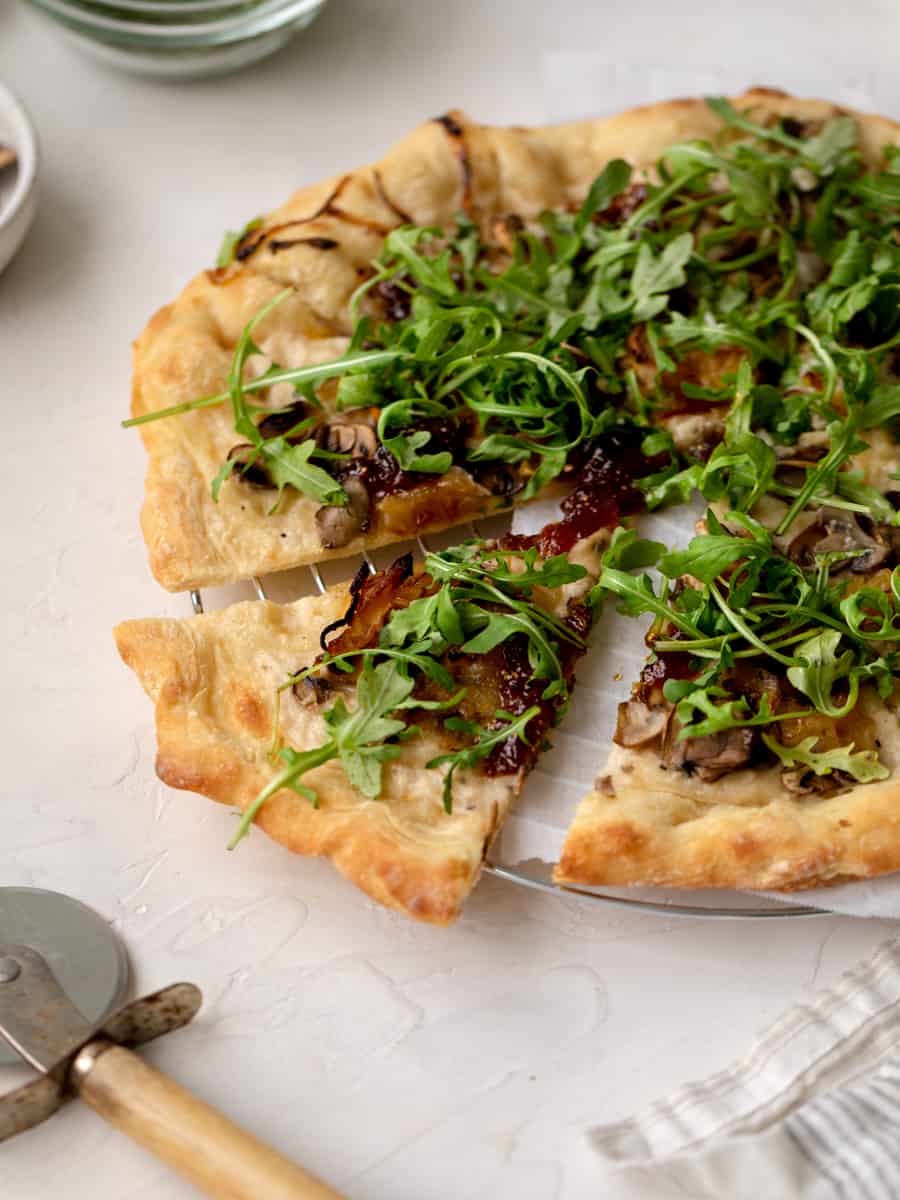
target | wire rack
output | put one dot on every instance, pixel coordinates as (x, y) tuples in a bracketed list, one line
[(537, 874)]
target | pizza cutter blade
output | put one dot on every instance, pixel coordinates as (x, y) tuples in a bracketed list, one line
[(77, 944), (71, 1030)]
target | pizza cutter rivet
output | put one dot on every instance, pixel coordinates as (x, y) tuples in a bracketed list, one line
[(9, 970)]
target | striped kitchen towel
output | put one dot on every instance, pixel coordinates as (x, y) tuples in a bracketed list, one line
[(811, 1113)]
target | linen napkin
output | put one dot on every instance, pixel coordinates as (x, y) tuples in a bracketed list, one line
[(811, 1113), (582, 84)]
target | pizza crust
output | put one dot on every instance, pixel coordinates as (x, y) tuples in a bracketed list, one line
[(214, 678), (645, 825), (442, 167)]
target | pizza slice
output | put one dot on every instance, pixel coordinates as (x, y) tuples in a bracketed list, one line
[(760, 747), (443, 335), (388, 724)]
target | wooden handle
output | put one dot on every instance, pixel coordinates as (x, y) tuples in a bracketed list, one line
[(217, 1156)]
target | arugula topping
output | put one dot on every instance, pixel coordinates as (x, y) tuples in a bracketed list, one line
[(479, 598), (361, 739), (863, 766), (769, 243), (286, 463), (485, 742), (730, 601)]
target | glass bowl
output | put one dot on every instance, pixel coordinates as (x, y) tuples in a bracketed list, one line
[(179, 38)]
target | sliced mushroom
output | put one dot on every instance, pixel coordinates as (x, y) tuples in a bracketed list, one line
[(278, 423), (396, 300), (696, 434), (500, 479), (710, 757), (809, 447), (836, 531), (339, 524), (804, 782), (314, 689), (811, 269), (356, 438), (639, 724), (804, 179), (255, 474)]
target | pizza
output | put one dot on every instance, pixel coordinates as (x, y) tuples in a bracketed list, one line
[(387, 724), (402, 348), (692, 299)]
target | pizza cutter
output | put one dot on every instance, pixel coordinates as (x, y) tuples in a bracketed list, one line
[(63, 976)]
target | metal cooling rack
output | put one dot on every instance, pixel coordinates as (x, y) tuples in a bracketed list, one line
[(537, 874)]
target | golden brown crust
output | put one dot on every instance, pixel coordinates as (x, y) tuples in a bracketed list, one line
[(643, 824), (321, 242), (214, 679)]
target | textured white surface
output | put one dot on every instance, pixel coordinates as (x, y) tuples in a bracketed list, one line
[(398, 1061)]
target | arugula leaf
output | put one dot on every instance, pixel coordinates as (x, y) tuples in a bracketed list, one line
[(829, 148), (432, 623), (517, 571), (359, 735), (434, 273), (851, 486), (743, 469), (823, 476), (654, 275), (726, 111), (881, 407), (672, 486), (299, 763), (825, 151), (628, 552), (501, 447), (490, 629), (357, 738), (863, 766), (637, 596), (740, 414), (470, 756), (749, 192), (881, 190), (872, 614), (721, 711), (611, 182), (229, 465), (711, 334), (358, 391), (821, 669), (231, 239), (405, 448), (290, 465), (709, 555)]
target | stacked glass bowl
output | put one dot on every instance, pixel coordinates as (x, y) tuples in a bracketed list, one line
[(182, 38)]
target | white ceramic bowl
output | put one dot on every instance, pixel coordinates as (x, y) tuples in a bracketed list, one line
[(18, 184)]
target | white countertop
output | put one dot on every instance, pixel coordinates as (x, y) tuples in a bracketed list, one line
[(396, 1060)]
